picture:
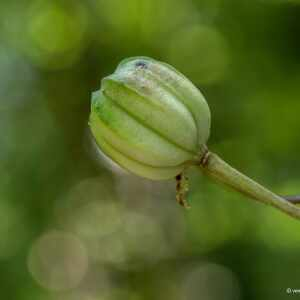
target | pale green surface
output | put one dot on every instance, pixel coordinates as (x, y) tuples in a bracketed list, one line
[(179, 86), (134, 139), (159, 110), (128, 163), (152, 115)]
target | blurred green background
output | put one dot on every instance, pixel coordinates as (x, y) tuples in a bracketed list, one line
[(74, 227)]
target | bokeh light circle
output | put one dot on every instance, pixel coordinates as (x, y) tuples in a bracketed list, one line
[(56, 34), (58, 261)]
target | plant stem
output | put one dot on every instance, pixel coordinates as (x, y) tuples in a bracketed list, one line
[(218, 169)]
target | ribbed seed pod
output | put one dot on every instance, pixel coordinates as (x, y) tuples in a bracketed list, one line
[(153, 121), (149, 118)]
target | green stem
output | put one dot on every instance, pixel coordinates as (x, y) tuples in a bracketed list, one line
[(218, 169)]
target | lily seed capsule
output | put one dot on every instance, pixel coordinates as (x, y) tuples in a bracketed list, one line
[(154, 122), (150, 118)]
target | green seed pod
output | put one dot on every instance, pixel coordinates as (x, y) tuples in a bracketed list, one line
[(150, 119), (154, 122)]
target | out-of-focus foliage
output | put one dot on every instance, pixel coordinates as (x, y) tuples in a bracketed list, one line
[(74, 227)]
